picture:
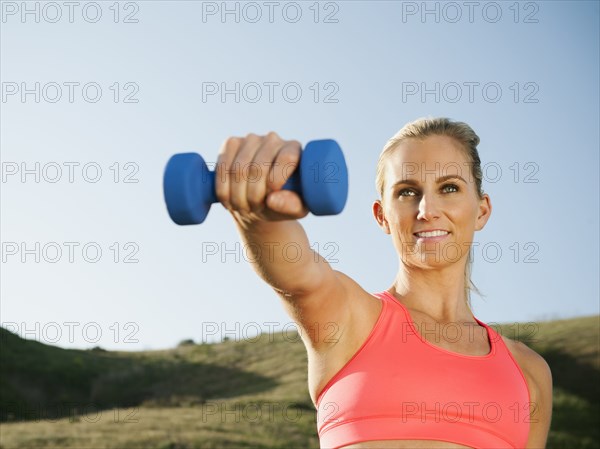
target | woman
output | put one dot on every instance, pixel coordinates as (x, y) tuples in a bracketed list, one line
[(409, 367)]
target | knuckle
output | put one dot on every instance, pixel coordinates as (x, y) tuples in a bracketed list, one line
[(231, 144), (272, 135)]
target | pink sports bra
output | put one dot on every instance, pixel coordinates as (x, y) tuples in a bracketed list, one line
[(398, 386)]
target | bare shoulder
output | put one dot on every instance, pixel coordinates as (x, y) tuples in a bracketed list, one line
[(327, 316), (363, 306), (530, 362), (352, 288), (358, 314)]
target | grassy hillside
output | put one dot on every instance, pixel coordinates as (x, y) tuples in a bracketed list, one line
[(571, 348), (232, 394)]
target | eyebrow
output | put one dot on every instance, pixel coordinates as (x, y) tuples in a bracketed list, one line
[(441, 179)]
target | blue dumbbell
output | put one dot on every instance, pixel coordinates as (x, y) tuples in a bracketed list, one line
[(321, 180)]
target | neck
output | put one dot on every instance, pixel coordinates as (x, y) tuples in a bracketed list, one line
[(440, 293)]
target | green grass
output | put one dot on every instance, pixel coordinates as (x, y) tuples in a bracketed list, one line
[(571, 348), (233, 394)]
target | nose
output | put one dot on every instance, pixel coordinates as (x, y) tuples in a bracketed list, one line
[(428, 207)]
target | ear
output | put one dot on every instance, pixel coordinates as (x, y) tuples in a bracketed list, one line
[(484, 212), (379, 215)]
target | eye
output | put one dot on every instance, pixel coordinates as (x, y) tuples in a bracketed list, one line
[(411, 192), (453, 186), (401, 192)]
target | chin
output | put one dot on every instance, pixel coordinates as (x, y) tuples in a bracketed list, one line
[(438, 258)]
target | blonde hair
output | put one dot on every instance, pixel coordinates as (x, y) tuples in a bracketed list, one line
[(440, 126)]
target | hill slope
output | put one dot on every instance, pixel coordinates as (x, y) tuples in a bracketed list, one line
[(232, 394)]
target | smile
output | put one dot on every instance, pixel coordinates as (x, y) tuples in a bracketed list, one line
[(430, 234)]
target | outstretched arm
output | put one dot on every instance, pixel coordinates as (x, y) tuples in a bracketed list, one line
[(251, 172)]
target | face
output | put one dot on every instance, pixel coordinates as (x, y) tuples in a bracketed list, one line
[(429, 186)]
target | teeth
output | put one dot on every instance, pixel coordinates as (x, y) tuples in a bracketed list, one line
[(431, 234)]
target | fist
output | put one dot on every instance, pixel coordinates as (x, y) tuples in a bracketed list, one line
[(250, 174)]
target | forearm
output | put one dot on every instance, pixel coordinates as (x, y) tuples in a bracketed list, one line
[(280, 253)]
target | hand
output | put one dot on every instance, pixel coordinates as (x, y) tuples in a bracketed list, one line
[(250, 174)]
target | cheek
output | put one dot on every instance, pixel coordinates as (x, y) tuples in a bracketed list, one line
[(465, 215), (401, 227), (397, 219)]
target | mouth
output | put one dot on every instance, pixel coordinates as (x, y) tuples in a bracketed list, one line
[(431, 236)]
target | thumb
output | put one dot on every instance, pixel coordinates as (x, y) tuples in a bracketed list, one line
[(286, 202)]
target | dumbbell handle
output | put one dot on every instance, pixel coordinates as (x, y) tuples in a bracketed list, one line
[(292, 183)]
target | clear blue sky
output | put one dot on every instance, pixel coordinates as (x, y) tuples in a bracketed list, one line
[(361, 69)]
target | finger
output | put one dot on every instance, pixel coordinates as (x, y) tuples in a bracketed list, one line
[(285, 164), (238, 178), (287, 203), (227, 155), (259, 170)]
